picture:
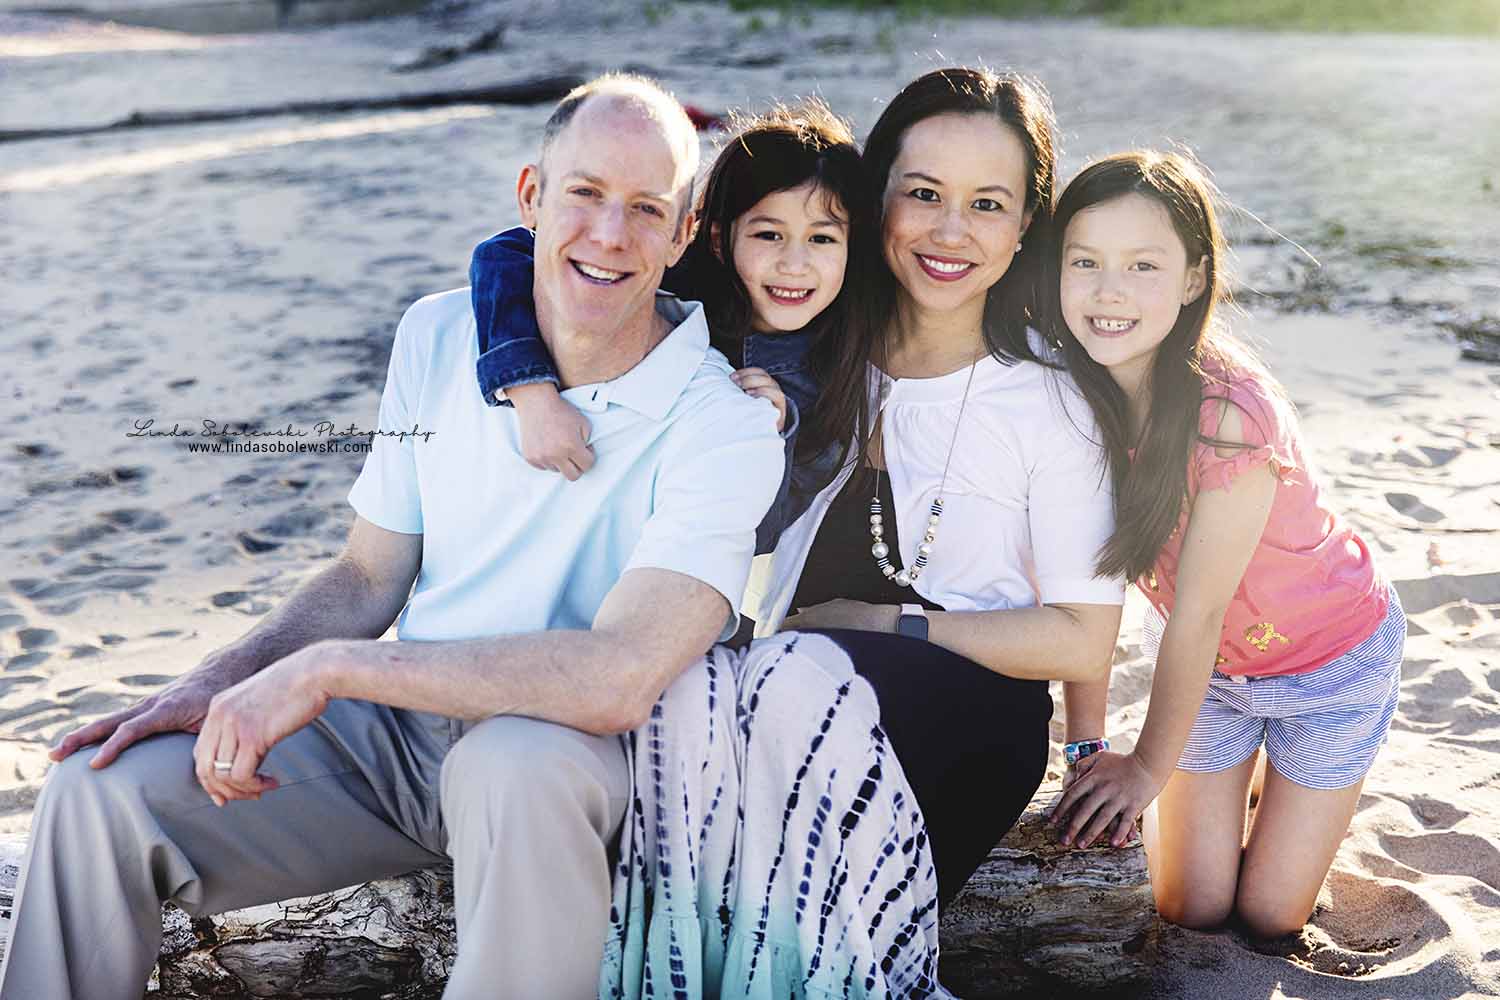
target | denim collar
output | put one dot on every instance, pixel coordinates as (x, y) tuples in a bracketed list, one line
[(777, 352), (653, 386)]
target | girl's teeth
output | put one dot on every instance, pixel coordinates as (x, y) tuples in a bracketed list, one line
[(944, 266), (1114, 325), (600, 273), (793, 294)]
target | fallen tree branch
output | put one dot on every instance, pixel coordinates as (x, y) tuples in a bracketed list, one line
[(529, 90), (1037, 919)]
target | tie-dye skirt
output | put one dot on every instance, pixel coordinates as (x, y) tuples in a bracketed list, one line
[(772, 847)]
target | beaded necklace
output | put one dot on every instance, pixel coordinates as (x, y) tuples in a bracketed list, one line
[(882, 551)]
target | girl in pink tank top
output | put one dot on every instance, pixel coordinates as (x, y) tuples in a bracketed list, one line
[(1270, 622)]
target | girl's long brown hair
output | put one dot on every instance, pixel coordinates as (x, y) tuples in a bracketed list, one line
[(1150, 489)]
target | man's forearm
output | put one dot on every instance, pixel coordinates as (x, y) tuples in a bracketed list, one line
[(341, 602), (589, 680)]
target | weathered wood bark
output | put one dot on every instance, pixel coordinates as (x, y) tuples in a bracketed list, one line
[(530, 90), (1036, 918), (1045, 920)]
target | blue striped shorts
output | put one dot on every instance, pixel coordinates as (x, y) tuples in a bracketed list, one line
[(1321, 729)]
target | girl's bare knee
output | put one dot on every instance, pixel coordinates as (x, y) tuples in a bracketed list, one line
[(1269, 918), (1199, 912)]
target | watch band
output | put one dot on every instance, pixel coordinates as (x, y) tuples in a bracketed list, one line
[(912, 621), (1076, 751)]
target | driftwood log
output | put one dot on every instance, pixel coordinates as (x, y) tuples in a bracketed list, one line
[(1036, 919), (528, 90)]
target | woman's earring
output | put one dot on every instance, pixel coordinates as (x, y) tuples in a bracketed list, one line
[(1018, 248)]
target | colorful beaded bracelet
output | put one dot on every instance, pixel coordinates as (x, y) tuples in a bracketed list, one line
[(1074, 752)]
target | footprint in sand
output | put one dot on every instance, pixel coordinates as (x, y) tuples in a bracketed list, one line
[(1425, 457), (1412, 668), (27, 660), (255, 546), (226, 598), (1465, 615), (1447, 852), (295, 523), (36, 638), (1369, 926), (1413, 507), (146, 680), (135, 519), (82, 537), (1433, 814)]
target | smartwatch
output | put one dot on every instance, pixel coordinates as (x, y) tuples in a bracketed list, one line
[(912, 621)]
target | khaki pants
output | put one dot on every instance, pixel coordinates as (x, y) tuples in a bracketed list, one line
[(526, 810)]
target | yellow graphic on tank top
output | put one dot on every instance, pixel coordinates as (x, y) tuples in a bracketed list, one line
[(1268, 632)]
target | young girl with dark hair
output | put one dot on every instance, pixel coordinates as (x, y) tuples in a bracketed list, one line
[(1269, 621)]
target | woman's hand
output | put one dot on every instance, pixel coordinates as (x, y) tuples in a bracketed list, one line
[(755, 382), (1109, 790), (841, 613)]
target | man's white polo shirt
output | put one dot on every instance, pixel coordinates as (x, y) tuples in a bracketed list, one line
[(686, 466)]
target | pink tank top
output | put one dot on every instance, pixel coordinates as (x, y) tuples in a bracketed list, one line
[(1311, 592)]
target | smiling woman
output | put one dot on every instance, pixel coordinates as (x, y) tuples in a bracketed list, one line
[(953, 419)]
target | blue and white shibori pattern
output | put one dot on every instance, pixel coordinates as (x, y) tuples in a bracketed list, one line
[(773, 847)]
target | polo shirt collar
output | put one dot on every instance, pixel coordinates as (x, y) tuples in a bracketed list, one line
[(654, 385)]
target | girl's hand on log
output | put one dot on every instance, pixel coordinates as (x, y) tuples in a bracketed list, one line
[(1109, 792)]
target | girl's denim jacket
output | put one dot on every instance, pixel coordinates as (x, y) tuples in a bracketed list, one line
[(511, 353)]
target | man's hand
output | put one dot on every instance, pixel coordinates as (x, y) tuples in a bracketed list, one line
[(554, 433), (177, 708), (1109, 792), (755, 382), (244, 722), (841, 613)]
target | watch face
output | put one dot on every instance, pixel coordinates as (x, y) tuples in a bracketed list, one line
[(912, 625)]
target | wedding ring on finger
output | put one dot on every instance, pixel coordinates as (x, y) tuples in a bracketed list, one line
[(223, 766)]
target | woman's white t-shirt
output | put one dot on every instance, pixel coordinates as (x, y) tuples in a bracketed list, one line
[(1026, 507)]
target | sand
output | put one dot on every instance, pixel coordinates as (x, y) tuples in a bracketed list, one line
[(253, 273)]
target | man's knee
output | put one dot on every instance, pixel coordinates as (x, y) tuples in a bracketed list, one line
[(524, 763), (156, 771)]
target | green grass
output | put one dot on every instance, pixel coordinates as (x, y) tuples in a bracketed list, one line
[(1444, 17)]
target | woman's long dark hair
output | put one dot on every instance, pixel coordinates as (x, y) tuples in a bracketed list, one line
[(1019, 104), (1150, 490)]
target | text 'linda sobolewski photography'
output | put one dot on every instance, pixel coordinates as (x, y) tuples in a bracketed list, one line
[(322, 437)]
